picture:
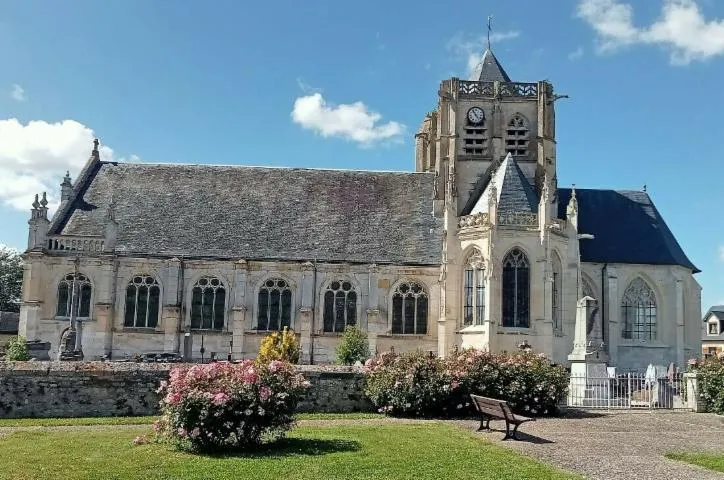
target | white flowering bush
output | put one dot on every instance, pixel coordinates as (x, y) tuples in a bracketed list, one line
[(226, 406), (419, 385)]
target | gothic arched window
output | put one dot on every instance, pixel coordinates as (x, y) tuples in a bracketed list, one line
[(638, 311), (143, 297), (74, 294), (208, 304), (516, 289), (516, 140), (556, 291), (474, 290), (275, 305), (409, 309), (340, 306)]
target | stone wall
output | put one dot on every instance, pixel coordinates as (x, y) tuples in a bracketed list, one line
[(87, 389)]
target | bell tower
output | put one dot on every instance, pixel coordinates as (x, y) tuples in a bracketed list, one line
[(478, 122)]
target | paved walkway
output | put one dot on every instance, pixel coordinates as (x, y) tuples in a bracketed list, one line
[(618, 445)]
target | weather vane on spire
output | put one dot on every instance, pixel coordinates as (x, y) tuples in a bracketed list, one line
[(490, 27)]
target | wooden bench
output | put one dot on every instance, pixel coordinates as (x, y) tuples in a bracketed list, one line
[(490, 408)]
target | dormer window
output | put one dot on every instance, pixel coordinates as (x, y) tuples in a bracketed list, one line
[(713, 327)]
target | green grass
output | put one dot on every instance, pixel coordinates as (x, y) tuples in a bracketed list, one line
[(147, 420), (712, 461), (421, 451)]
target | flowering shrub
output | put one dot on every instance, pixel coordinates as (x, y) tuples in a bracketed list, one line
[(220, 406), (419, 385), (282, 346), (711, 382), (411, 384)]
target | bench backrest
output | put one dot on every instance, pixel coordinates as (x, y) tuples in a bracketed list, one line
[(491, 406)]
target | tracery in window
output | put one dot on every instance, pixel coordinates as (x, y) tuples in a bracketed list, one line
[(143, 296), (638, 311), (275, 305), (409, 309), (340, 306), (474, 290), (556, 291), (516, 289), (516, 140), (74, 291), (208, 304)]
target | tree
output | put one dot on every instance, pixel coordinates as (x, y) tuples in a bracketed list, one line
[(354, 346), (11, 279)]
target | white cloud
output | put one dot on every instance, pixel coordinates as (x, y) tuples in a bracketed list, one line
[(472, 48), (350, 121), (35, 156), (576, 54), (18, 93), (681, 29)]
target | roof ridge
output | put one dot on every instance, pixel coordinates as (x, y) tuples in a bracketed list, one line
[(267, 167)]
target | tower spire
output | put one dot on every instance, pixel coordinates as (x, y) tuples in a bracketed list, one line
[(490, 27)]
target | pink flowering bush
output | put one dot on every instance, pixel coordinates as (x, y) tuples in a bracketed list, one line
[(225, 406), (416, 384)]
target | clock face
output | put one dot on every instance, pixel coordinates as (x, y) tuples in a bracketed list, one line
[(476, 115)]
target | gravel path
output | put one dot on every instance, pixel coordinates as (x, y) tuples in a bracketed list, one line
[(623, 445)]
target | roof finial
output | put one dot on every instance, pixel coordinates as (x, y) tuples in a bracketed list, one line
[(644, 188), (95, 145), (36, 204), (490, 27), (44, 201), (573, 190)]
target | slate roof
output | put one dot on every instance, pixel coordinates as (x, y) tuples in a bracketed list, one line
[(627, 228), (261, 213), (492, 70), (514, 191)]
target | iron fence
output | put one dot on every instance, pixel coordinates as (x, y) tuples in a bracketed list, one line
[(628, 391)]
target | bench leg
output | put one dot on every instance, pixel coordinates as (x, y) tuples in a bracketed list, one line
[(511, 433), (484, 423)]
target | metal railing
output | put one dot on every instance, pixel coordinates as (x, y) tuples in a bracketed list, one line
[(75, 243), (628, 391)]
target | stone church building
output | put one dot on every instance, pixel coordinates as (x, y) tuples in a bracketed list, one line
[(478, 247)]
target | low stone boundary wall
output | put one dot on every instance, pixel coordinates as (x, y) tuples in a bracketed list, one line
[(105, 389)]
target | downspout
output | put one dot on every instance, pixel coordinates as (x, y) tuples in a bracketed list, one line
[(180, 295), (314, 311), (604, 270)]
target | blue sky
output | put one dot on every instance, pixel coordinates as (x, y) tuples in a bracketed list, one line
[(218, 82)]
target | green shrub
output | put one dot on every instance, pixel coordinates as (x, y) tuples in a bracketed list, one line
[(711, 383), (417, 384), (17, 350), (282, 346), (353, 347)]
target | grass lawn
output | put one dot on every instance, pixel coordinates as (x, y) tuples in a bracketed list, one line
[(712, 461), (147, 420), (421, 451)]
